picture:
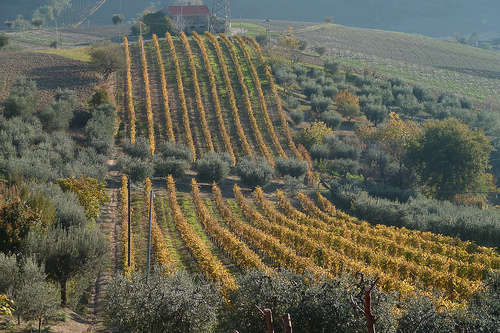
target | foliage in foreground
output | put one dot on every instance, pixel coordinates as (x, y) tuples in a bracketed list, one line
[(165, 303), (179, 303)]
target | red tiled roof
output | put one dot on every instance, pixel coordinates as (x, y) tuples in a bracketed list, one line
[(188, 10)]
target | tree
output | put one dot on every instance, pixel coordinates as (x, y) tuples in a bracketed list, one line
[(22, 99), (24, 283), (376, 113), (331, 66), (117, 19), (37, 22), (175, 303), (106, 58), (451, 158), (67, 253), (91, 194), (254, 171), (291, 167), (35, 298), (158, 23), (213, 167), (320, 50), (262, 40), (396, 137), (314, 134), (4, 40), (347, 104)]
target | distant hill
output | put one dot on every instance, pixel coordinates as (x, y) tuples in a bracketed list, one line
[(430, 17)]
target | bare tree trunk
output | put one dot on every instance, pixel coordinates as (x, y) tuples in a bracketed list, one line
[(63, 293), (268, 316), (287, 323), (370, 318)]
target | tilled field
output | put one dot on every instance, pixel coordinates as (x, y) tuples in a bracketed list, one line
[(50, 72)]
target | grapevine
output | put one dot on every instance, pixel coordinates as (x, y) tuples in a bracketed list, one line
[(235, 248), (241, 77), (215, 97), (130, 98), (159, 246), (124, 214), (209, 264), (277, 99), (199, 102), (258, 85), (266, 244), (182, 96), (149, 109), (163, 79), (232, 99)]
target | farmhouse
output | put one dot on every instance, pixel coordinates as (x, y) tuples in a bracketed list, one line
[(189, 16)]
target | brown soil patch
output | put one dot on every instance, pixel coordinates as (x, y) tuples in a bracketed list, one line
[(50, 72)]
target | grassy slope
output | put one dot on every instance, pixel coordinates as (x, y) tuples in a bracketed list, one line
[(422, 60)]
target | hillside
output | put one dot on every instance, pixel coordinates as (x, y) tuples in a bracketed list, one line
[(418, 59), (218, 235)]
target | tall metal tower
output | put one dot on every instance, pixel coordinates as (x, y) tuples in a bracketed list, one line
[(220, 21)]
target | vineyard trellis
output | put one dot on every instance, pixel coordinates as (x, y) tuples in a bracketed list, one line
[(182, 96), (163, 79), (215, 97)]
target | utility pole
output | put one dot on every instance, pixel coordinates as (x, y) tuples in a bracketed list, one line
[(129, 224), (148, 259)]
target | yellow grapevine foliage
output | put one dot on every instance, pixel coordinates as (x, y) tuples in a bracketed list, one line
[(276, 96), (6, 305), (317, 244), (149, 108), (159, 246), (130, 97), (124, 214), (241, 77), (215, 97), (213, 269), (91, 194), (262, 99), (232, 99), (163, 79), (425, 241), (199, 102), (266, 244), (234, 248), (182, 96), (398, 260)]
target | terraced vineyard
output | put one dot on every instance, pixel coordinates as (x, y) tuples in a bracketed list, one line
[(203, 232), (217, 94), (209, 93)]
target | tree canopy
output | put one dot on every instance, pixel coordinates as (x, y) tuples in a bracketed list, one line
[(450, 158)]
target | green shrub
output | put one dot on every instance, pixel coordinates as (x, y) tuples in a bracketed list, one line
[(345, 166), (332, 119), (213, 167), (175, 150), (139, 149), (291, 167), (297, 116), (310, 88), (376, 113), (330, 91), (22, 100), (320, 103), (254, 171), (331, 66), (58, 115), (137, 169), (164, 166), (99, 130)]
